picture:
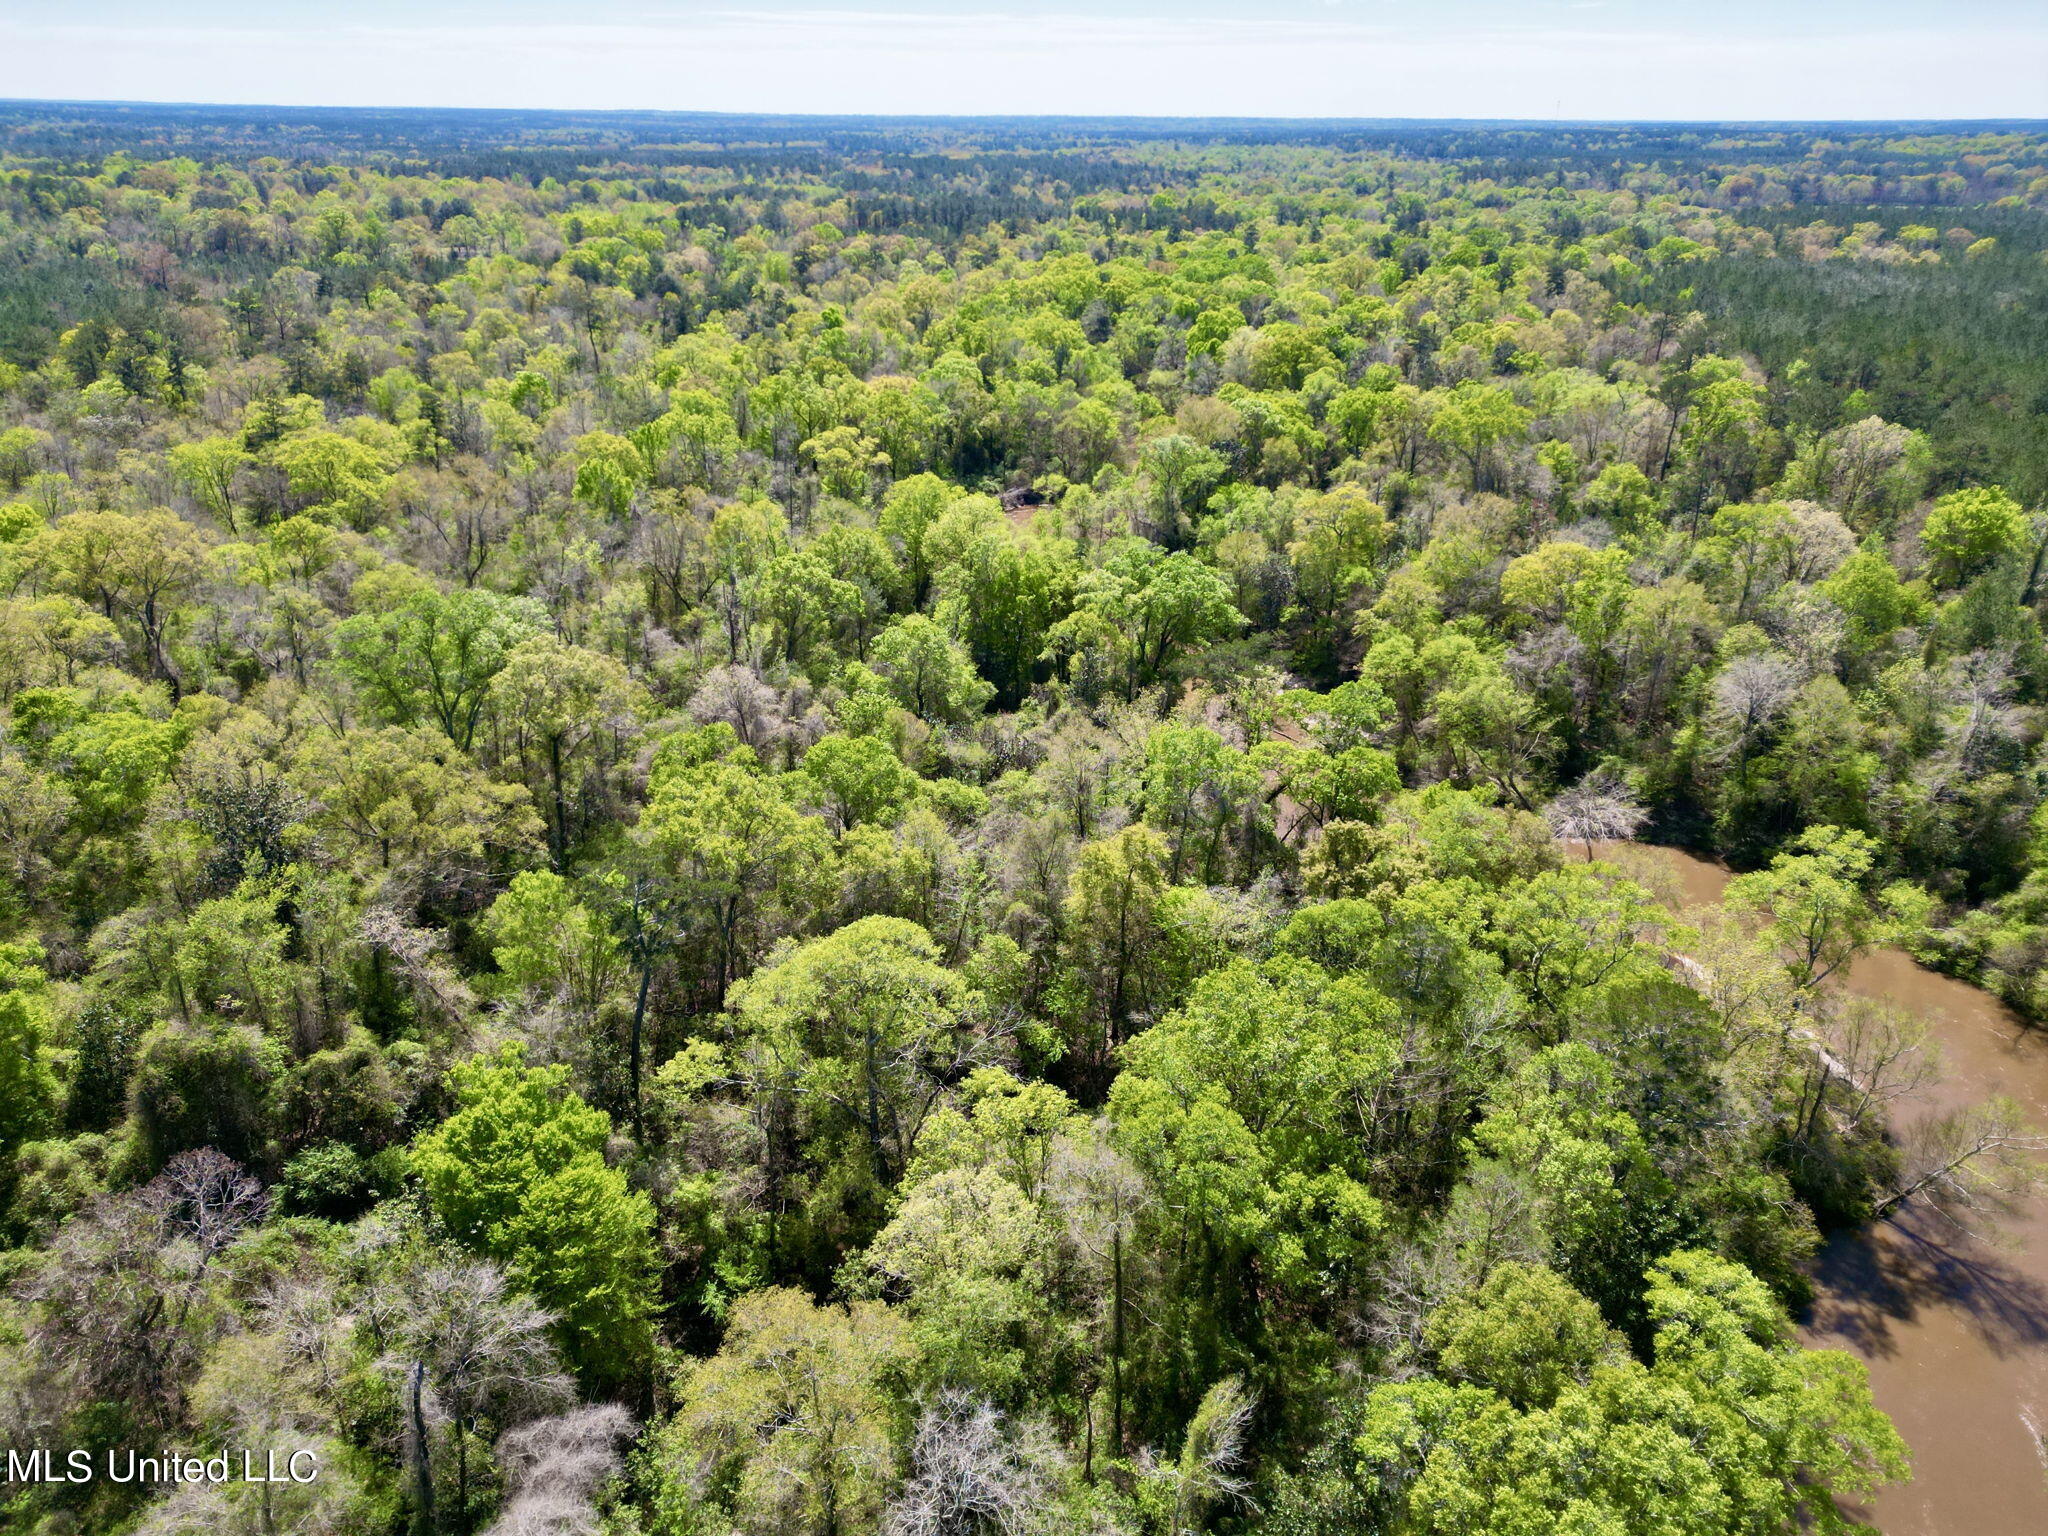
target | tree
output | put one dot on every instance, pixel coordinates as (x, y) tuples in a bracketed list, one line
[(1252, 1111), (1969, 531), (1206, 1475), (1112, 954), (135, 567), (1867, 589), (554, 701), (209, 468), (1181, 470), (863, 1029), (965, 1476), (332, 478), (1597, 809), (908, 512), (1979, 1161), (969, 1257), (1731, 1427), (1000, 595), (546, 942), (609, 469), (1523, 1333), (432, 655), (787, 1429), (28, 1087), (1149, 607), (206, 1085), (845, 460), (555, 1469), (1813, 902), (412, 803), (517, 1173), (1753, 545), (1474, 419), (1339, 540), (929, 671), (1566, 583), (858, 778), (745, 859), (804, 600), (120, 1303), (456, 1331), (1197, 790)]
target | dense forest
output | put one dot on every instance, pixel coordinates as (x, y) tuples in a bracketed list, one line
[(843, 827)]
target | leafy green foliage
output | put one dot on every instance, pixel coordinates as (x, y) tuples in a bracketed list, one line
[(937, 800), (517, 1173)]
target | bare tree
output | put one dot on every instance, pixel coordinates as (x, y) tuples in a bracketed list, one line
[(120, 1307), (1597, 809), (419, 957), (1980, 687), (1102, 1193), (1979, 1162), (1750, 692), (1491, 1220), (208, 1197), (966, 1480), (1871, 1055), (555, 1469), (1821, 541), (736, 694), (1208, 1471), (467, 1352)]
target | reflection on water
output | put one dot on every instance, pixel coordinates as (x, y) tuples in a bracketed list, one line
[(1954, 1327)]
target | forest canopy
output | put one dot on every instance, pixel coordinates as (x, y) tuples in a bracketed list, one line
[(842, 827)]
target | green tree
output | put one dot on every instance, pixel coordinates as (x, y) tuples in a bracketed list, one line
[(517, 1173), (861, 1031), (332, 478), (609, 469), (929, 671), (860, 780), (1181, 471), (1113, 957), (1475, 419), (908, 512), (745, 859), (28, 1087), (1814, 904), (1198, 790), (432, 656), (1969, 531), (137, 568), (410, 802), (789, 1428), (1523, 1333), (1148, 607), (1253, 1111), (209, 468), (1731, 1427), (546, 942), (557, 702)]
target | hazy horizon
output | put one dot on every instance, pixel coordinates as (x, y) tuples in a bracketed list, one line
[(735, 114), (1540, 61)]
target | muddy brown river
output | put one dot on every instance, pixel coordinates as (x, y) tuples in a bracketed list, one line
[(1955, 1329)]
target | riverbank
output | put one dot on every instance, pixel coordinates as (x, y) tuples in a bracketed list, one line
[(1954, 1328)]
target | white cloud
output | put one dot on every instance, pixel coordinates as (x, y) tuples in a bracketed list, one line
[(837, 61)]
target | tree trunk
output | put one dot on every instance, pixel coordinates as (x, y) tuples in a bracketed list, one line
[(561, 829), (422, 1474), (633, 1042), (1116, 1341)]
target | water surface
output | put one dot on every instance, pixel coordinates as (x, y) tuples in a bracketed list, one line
[(1954, 1328)]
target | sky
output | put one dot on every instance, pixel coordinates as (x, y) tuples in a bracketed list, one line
[(1573, 59)]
